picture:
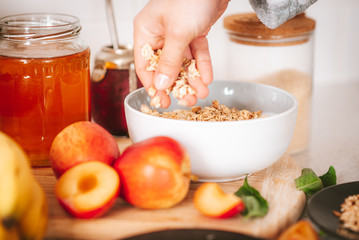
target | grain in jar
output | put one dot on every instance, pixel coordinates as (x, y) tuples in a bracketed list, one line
[(282, 57)]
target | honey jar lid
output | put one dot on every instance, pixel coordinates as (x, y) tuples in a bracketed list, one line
[(248, 25)]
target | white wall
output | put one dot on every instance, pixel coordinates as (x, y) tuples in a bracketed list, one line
[(336, 39)]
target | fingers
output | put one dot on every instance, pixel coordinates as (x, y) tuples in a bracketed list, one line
[(175, 45), (200, 52), (165, 99), (170, 62), (145, 28), (201, 89), (188, 100)]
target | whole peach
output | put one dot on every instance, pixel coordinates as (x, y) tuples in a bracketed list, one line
[(155, 173), (81, 142)]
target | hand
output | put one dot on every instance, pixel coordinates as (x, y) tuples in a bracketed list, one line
[(179, 28)]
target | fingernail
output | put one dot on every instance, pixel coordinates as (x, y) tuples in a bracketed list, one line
[(161, 81)]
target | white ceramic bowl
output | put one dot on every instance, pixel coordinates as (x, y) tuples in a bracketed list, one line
[(223, 151)]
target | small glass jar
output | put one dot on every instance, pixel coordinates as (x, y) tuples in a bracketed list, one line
[(44, 79), (113, 77), (282, 57)]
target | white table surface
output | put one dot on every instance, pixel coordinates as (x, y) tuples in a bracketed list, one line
[(334, 132)]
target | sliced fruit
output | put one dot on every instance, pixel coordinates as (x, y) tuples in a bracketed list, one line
[(302, 230), (211, 201), (88, 189)]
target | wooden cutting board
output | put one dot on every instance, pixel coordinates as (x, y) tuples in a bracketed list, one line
[(276, 184)]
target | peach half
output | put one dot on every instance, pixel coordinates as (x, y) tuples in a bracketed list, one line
[(88, 190), (211, 201)]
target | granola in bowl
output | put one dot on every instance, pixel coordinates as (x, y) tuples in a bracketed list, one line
[(216, 112), (221, 147)]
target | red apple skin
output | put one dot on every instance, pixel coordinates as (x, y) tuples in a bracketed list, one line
[(90, 214), (233, 211), (68, 203), (154, 173), (81, 142)]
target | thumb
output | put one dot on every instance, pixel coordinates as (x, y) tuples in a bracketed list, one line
[(170, 62)]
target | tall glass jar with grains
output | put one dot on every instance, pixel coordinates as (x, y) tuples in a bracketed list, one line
[(282, 57)]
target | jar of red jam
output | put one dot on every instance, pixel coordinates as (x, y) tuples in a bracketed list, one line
[(44, 79), (113, 78)]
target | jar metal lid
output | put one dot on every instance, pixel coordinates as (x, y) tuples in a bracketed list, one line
[(109, 58), (248, 26)]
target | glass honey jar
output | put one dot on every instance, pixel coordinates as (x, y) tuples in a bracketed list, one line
[(44, 79), (282, 57)]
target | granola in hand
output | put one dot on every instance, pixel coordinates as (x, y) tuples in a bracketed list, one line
[(180, 87)]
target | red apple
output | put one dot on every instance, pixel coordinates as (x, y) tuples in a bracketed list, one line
[(155, 173), (88, 189), (211, 201), (81, 142)]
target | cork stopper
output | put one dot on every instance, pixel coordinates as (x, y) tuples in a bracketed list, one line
[(248, 29)]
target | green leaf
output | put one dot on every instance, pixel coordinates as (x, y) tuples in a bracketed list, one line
[(256, 205), (329, 178), (308, 182)]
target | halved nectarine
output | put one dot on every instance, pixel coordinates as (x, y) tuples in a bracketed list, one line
[(88, 189)]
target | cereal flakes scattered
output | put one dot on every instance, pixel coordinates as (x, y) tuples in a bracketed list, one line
[(349, 213)]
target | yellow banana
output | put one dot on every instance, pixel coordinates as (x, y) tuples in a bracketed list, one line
[(8, 234), (21, 196), (34, 221), (8, 183), (15, 175)]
